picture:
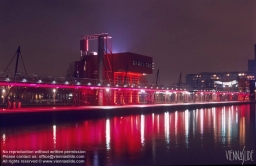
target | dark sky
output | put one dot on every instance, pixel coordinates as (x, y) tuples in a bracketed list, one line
[(181, 36)]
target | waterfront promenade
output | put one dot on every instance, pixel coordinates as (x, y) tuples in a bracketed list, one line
[(65, 113), (122, 107)]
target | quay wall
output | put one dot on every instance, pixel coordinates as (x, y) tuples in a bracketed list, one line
[(53, 115)]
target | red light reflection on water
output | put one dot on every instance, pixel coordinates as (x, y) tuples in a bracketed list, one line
[(131, 134)]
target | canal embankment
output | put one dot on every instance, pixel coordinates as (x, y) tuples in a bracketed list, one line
[(56, 114)]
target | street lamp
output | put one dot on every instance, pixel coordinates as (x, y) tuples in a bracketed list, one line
[(54, 94)]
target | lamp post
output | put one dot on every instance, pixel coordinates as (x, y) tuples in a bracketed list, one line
[(54, 94)]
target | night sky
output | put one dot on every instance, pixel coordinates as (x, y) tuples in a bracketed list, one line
[(181, 36)]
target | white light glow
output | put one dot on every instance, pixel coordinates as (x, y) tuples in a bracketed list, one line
[(54, 136), (107, 134), (4, 139), (142, 123), (202, 121), (223, 127), (186, 126), (229, 84), (94, 53), (166, 127)]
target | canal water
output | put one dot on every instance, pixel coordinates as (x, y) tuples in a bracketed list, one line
[(200, 136)]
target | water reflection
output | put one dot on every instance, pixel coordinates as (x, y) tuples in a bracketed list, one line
[(187, 126), (107, 134), (166, 127), (136, 136), (3, 141), (142, 126), (54, 136)]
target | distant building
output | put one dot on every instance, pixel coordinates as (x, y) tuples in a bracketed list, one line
[(252, 63), (228, 81)]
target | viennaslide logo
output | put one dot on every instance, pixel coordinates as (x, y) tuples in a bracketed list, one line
[(240, 155)]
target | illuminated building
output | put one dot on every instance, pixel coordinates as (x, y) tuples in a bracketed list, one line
[(116, 69), (229, 81)]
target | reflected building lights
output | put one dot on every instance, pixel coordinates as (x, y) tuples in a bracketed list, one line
[(54, 136), (157, 124), (153, 140), (202, 123), (167, 127), (186, 126), (176, 130), (214, 125), (142, 123), (229, 127), (153, 119), (107, 134), (196, 119), (4, 138), (236, 117), (209, 117), (242, 131), (215, 128), (194, 123), (223, 125), (95, 158)]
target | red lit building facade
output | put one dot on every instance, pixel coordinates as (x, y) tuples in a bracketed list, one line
[(114, 69), (119, 68)]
